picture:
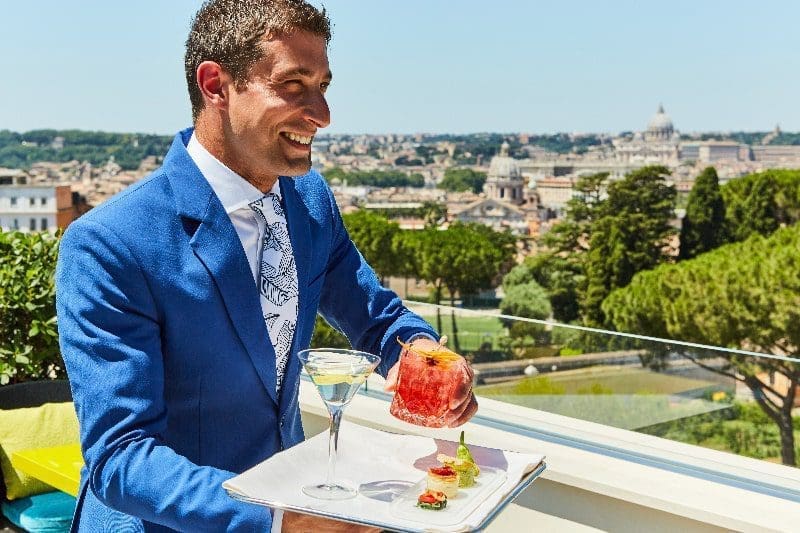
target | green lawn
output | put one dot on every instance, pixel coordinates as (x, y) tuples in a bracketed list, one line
[(472, 330), (624, 397), (611, 380)]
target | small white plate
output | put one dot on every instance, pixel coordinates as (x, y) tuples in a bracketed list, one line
[(458, 508)]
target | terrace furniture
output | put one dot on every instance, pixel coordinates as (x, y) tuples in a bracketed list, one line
[(49, 511)]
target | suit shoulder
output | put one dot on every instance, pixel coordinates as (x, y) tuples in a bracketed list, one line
[(312, 182), (142, 201), (145, 195)]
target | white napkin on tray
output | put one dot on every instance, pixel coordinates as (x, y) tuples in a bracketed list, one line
[(376, 462)]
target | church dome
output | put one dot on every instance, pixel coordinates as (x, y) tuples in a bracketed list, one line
[(504, 166), (661, 123)]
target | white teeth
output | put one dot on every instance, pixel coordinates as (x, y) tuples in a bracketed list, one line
[(299, 138)]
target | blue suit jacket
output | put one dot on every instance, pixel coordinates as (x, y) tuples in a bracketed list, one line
[(168, 356)]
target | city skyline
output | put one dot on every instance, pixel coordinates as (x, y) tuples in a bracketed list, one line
[(430, 67)]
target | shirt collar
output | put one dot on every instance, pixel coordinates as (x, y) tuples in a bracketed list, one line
[(233, 191)]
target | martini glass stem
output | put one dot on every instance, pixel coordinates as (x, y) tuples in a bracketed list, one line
[(333, 444)]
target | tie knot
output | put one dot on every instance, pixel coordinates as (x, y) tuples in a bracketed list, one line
[(268, 206)]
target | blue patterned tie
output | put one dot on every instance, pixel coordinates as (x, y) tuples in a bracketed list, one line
[(277, 281)]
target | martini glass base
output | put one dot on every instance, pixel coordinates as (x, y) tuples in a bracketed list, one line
[(329, 492)]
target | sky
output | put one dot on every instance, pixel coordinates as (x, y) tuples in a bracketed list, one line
[(430, 66)]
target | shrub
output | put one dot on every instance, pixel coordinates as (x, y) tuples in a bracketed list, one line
[(28, 336)]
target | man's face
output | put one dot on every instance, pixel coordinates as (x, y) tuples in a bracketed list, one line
[(274, 115)]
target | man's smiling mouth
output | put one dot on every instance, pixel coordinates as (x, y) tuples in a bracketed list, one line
[(296, 137)]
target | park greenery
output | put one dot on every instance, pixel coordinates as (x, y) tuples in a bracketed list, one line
[(21, 150), (457, 262), (374, 178), (462, 179)]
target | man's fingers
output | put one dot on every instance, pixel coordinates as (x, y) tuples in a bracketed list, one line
[(469, 411), (391, 378), (462, 389)]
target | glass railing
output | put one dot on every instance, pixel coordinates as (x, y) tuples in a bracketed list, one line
[(725, 399)]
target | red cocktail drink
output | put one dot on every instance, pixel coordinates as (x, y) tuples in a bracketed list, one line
[(426, 383)]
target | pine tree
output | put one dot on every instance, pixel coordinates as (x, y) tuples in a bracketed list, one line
[(630, 235), (703, 226)]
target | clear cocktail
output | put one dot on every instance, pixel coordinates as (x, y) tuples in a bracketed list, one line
[(337, 374)]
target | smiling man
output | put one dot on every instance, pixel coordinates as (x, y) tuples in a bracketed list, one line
[(183, 301)]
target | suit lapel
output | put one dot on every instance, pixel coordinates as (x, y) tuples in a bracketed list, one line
[(298, 222), (217, 246)]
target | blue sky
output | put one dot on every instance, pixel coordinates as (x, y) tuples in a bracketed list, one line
[(430, 66)]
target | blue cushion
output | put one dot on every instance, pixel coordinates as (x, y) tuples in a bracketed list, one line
[(50, 512)]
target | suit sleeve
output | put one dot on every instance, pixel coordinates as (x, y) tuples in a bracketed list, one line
[(110, 340), (354, 302)]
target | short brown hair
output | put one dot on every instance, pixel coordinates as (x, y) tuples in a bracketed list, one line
[(229, 32)]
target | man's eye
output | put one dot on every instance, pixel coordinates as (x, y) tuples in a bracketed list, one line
[(324, 85)]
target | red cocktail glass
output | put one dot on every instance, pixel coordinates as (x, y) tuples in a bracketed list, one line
[(426, 382)]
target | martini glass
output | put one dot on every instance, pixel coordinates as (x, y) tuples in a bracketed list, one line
[(337, 375)]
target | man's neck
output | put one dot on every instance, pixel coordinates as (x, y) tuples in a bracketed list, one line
[(214, 143)]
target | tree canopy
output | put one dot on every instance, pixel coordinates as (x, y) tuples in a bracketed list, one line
[(375, 178), (373, 235), (761, 203), (462, 179), (21, 150), (743, 295)]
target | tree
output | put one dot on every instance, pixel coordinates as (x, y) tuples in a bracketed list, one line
[(28, 337), (373, 236), (463, 259), (433, 213), (560, 270), (561, 275), (703, 227), (761, 203), (744, 295), (462, 179), (528, 300), (751, 207), (630, 235)]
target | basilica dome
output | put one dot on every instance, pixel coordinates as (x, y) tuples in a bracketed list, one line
[(504, 166), (660, 126)]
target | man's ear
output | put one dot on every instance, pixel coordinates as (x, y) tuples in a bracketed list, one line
[(214, 82)]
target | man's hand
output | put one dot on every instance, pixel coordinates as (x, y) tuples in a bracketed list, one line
[(301, 523), (462, 403)]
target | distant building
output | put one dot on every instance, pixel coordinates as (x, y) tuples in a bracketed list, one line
[(496, 214), (659, 144), (776, 155), (36, 207), (713, 151), (554, 193), (504, 180), (13, 176)]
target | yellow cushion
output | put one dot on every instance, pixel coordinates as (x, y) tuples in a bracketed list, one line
[(52, 424)]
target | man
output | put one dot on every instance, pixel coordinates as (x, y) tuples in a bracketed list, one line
[(183, 301)]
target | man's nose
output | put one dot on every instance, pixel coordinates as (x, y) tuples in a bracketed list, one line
[(318, 112)]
